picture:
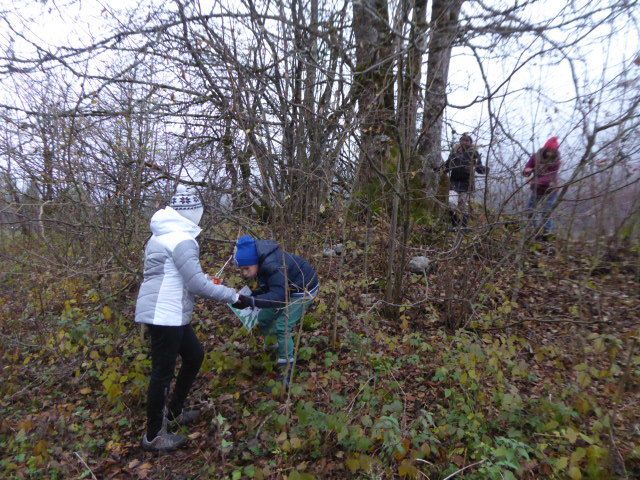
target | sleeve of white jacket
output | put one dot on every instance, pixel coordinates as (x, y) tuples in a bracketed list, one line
[(186, 260)]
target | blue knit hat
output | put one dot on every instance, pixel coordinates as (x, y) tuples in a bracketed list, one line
[(246, 252)]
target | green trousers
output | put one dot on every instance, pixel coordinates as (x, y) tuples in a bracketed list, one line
[(279, 322)]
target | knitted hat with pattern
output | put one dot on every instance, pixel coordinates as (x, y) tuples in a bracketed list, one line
[(188, 204)]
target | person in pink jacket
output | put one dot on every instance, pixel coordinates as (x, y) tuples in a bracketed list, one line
[(544, 165)]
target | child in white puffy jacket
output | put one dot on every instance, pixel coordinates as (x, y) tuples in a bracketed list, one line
[(172, 278)]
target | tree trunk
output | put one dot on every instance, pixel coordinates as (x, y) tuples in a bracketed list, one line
[(444, 29), (313, 167), (373, 88), (409, 73)]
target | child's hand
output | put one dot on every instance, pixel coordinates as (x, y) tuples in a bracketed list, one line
[(244, 302)]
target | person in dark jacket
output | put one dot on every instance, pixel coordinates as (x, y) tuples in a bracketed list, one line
[(463, 161), (544, 165), (288, 284)]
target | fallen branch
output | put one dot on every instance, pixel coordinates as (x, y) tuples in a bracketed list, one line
[(262, 425), (463, 469), (85, 465)]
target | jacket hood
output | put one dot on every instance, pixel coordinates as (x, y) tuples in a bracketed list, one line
[(266, 248), (542, 158), (168, 220)]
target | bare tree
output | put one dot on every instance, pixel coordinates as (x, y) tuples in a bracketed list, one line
[(291, 109)]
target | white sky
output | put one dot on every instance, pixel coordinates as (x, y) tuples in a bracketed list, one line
[(600, 57), (530, 116)]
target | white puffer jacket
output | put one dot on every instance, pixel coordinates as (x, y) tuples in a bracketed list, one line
[(172, 273)]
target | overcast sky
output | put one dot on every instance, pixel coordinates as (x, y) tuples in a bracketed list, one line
[(540, 100)]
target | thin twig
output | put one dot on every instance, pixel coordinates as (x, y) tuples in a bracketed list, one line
[(423, 474), (224, 266), (85, 465), (262, 425), (353, 402), (463, 469)]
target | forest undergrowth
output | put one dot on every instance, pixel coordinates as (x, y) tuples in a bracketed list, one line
[(495, 367)]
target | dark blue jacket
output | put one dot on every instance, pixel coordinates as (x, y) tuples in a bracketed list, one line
[(300, 275)]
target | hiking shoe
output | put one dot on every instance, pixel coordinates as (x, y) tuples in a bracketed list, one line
[(186, 417), (164, 442)]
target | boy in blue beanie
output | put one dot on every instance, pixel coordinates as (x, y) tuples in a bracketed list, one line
[(288, 285)]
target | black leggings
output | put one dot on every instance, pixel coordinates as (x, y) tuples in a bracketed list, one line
[(166, 344)]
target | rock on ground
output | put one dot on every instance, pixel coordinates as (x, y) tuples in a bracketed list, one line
[(419, 264)]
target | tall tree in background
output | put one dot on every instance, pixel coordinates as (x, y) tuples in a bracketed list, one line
[(284, 106), (444, 29), (374, 89), (390, 68)]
